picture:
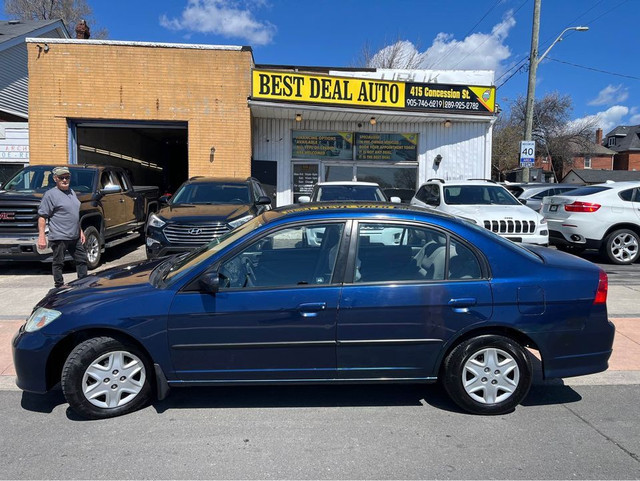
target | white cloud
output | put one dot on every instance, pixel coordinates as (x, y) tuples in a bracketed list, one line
[(482, 51), (229, 18), (607, 120), (634, 120), (611, 94)]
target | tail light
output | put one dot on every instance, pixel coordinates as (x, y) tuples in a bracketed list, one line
[(603, 287), (581, 207)]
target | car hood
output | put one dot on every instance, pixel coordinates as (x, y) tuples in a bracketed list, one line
[(32, 195), (495, 212), (203, 212), (104, 286)]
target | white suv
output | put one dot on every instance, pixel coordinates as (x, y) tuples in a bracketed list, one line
[(601, 216), (488, 204)]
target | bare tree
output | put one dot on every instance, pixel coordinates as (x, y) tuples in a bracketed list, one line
[(556, 136), (401, 54), (69, 11)]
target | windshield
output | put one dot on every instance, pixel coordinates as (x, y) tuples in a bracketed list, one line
[(349, 192), (40, 179), (175, 267), (478, 195), (211, 193)]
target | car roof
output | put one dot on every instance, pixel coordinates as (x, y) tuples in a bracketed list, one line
[(448, 183), (348, 182), (216, 180)]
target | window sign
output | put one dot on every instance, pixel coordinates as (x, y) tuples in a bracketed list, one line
[(322, 145), (387, 147), (305, 176)]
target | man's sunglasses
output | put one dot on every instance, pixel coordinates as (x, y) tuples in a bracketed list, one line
[(64, 177)]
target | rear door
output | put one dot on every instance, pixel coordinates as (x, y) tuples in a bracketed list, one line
[(407, 289)]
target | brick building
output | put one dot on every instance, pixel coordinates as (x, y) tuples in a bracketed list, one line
[(625, 142)]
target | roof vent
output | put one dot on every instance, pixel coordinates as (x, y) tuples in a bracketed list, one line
[(14, 22)]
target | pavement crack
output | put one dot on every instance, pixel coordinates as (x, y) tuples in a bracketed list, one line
[(631, 454)]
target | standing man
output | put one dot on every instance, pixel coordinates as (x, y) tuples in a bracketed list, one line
[(61, 207)]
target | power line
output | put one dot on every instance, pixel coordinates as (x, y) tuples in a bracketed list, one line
[(594, 69)]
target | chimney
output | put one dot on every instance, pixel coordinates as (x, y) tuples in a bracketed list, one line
[(599, 136), (82, 30)]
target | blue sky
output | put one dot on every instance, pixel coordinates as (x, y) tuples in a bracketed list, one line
[(493, 34)]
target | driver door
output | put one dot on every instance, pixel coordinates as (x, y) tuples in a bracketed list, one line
[(273, 317)]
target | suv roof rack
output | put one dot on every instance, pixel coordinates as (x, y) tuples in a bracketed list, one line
[(436, 179)]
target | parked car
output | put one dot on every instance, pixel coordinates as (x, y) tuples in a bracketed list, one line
[(112, 210), (405, 195), (346, 191), (263, 305), (531, 194), (602, 216), (202, 209), (488, 204)]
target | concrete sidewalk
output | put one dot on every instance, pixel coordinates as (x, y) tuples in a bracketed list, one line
[(624, 365)]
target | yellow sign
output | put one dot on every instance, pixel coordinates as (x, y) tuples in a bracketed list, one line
[(298, 87)]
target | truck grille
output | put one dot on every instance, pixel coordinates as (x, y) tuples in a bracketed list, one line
[(510, 226), (18, 218), (194, 234)]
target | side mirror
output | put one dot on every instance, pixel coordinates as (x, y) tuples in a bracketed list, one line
[(110, 189), (395, 200), (303, 199), (164, 199), (210, 282), (263, 200)]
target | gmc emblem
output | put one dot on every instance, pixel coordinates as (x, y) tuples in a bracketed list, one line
[(7, 215)]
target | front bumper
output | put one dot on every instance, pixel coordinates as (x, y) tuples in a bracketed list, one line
[(31, 350), (536, 239), (23, 248)]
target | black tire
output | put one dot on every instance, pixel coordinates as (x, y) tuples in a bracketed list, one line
[(93, 246), (570, 249), (621, 246), (92, 391), (509, 387)]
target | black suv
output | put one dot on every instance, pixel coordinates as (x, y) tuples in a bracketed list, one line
[(202, 209)]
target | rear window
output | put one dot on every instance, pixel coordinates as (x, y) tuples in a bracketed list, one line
[(588, 190)]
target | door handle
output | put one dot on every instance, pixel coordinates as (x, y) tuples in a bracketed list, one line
[(462, 304), (311, 309), (122, 201)]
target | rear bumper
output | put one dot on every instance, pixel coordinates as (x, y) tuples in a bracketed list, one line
[(568, 237)]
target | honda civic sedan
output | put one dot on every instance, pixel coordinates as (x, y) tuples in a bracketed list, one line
[(436, 299)]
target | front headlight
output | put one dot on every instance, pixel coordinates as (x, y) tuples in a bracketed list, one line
[(155, 221), (240, 221), (40, 318)]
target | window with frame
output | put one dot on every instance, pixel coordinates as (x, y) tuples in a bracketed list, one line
[(293, 256), (587, 162)]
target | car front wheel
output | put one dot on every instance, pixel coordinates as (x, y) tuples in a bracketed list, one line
[(487, 374), (621, 246), (92, 247), (103, 378)]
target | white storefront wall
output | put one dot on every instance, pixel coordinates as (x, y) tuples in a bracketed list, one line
[(465, 146)]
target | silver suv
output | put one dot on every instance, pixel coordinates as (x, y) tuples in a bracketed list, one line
[(488, 204)]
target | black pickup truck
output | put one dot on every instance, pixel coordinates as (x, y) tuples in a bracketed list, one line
[(112, 210)]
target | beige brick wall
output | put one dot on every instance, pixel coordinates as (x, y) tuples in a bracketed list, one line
[(206, 88)]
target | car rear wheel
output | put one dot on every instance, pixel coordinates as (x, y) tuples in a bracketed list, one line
[(487, 374), (622, 246), (104, 377), (92, 247)]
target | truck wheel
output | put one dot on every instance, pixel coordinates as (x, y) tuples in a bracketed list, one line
[(92, 246), (621, 246)]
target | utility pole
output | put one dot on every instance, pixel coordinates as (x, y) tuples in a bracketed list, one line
[(531, 87)]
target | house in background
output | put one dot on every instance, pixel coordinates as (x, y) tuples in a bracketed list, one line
[(14, 85), (625, 141), (600, 176)]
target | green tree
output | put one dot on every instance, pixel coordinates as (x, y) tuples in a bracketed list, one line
[(69, 11)]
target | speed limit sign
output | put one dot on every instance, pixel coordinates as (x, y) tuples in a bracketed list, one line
[(527, 153)]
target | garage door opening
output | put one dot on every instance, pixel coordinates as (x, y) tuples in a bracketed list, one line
[(153, 153)]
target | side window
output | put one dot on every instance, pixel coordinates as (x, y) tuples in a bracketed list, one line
[(108, 178), (463, 264), (294, 256), (627, 195), (395, 252), (123, 181), (544, 193)]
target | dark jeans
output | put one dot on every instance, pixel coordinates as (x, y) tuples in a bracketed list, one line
[(76, 250)]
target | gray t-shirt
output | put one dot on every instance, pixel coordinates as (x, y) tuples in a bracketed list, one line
[(62, 208)]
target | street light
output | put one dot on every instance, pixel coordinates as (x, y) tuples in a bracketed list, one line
[(533, 67)]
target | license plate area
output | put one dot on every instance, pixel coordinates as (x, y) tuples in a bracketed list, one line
[(553, 208)]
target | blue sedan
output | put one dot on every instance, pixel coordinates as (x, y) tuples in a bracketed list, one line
[(323, 293)]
